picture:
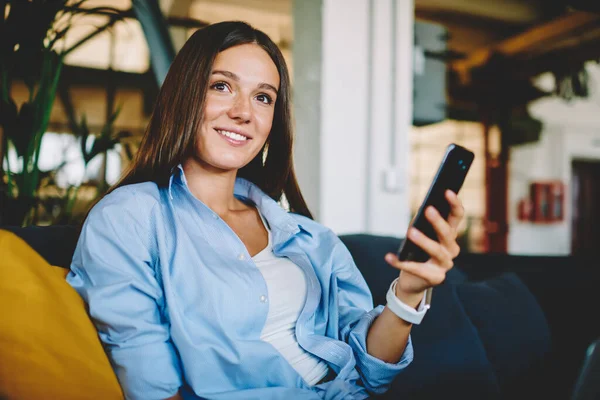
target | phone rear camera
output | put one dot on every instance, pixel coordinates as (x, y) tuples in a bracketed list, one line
[(464, 167), (460, 162)]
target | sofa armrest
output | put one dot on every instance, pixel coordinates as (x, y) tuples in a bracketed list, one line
[(450, 360), (55, 243), (566, 288), (513, 330)]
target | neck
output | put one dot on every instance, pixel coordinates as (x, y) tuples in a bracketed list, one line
[(213, 188)]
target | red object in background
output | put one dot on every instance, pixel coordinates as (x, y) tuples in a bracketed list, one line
[(547, 201), (525, 209), (496, 192), (557, 201), (540, 198)]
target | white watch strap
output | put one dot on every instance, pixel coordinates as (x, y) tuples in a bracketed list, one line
[(405, 312)]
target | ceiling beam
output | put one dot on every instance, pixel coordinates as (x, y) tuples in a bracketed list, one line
[(508, 11), (173, 21), (562, 61), (283, 7), (553, 31), (469, 20), (467, 33), (93, 77)]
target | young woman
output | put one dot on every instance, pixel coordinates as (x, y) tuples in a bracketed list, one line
[(202, 286)]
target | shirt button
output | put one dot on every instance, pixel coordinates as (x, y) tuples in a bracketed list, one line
[(241, 257), (263, 299)]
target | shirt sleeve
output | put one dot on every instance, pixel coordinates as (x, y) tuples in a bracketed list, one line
[(356, 314), (113, 271)]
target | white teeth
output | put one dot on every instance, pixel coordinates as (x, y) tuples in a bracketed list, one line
[(233, 135)]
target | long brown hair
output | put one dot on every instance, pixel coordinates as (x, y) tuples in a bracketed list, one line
[(177, 117)]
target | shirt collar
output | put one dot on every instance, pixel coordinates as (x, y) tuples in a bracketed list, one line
[(279, 220)]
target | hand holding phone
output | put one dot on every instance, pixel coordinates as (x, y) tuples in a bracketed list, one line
[(451, 175)]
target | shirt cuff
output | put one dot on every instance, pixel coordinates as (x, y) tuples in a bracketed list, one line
[(377, 375), (147, 372)]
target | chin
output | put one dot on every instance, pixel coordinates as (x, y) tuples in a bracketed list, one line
[(229, 165), (229, 168)]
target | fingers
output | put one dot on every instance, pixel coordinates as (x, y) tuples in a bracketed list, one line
[(445, 233), (436, 250), (430, 273), (457, 211)]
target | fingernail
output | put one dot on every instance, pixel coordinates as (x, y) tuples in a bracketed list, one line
[(414, 233), (389, 257)]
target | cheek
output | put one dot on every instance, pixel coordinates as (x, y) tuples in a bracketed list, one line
[(212, 111), (215, 106), (264, 122)]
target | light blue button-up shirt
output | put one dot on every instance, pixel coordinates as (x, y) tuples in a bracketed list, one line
[(179, 303)]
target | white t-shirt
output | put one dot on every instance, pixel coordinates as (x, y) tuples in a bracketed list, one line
[(286, 285)]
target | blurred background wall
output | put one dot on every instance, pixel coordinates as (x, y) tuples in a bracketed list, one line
[(380, 88)]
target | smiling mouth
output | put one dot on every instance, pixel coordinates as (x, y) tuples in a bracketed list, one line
[(232, 135)]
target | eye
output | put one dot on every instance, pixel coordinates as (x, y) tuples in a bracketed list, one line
[(264, 98), (220, 87)]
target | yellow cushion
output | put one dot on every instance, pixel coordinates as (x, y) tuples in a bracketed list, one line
[(49, 348)]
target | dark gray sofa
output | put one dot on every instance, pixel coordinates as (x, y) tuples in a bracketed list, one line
[(495, 329)]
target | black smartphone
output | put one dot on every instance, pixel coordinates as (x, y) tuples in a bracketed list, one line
[(451, 175)]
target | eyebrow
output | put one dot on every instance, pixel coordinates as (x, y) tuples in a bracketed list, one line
[(231, 75)]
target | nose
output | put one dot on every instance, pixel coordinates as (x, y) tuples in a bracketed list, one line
[(241, 109)]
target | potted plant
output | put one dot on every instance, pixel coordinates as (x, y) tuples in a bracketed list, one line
[(64, 206), (32, 50)]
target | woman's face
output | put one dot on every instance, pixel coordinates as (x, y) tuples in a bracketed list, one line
[(239, 109)]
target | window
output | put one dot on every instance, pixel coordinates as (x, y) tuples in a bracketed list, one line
[(62, 152)]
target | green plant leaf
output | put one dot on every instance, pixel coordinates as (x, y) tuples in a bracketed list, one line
[(29, 33), (23, 131), (8, 116), (113, 19), (2, 28), (128, 151), (27, 26), (84, 132), (45, 111)]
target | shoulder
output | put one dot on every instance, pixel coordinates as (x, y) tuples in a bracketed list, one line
[(310, 225), (326, 247), (134, 201), (324, 235)]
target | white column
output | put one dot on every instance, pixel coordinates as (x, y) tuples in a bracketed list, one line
[(391, 116), (353, 144), (344, 114), (306, 93)]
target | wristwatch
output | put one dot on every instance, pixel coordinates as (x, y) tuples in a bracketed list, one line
[(407, 313)]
